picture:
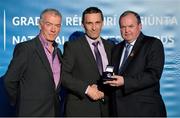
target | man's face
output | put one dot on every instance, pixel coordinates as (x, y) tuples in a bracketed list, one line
[(129, 28), (50, 26), (93, 24)]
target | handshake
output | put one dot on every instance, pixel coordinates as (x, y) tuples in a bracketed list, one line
[(94, 93)]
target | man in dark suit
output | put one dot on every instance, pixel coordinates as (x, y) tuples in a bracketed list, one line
[(138, 62), (80, 72), (33, 76)]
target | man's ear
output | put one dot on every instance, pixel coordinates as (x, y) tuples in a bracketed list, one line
[(82, 25), (39, 25)]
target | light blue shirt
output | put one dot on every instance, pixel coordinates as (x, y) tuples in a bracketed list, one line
[(122, 57)]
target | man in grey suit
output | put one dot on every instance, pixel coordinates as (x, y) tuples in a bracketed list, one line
[(80, 72), (138, 62), (33, 76)]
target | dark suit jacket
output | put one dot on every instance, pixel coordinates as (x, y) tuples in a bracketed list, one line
[(79, 71), (29, 81), (140, 95)]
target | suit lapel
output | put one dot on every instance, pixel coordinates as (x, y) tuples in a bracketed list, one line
[(107, 50), (118, 53), (40, 51), (59, 55), (60, 61), (136, 48), (87, 51)]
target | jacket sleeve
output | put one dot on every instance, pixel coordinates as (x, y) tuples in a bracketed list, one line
[(15, 72), (74, 85)]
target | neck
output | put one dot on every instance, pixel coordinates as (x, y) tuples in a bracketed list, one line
[(92, 38), (50, 45)]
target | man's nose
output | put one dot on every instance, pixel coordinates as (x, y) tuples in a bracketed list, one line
[(94, 27)]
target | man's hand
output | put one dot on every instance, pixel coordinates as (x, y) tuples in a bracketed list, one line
[(117, 81), (94, 93)]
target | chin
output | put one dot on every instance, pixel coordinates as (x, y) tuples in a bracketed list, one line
[(94, 37)]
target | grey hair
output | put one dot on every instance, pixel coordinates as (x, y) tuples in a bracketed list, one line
[(50, 10)]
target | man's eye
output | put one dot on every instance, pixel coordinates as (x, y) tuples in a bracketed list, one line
[(131, 26), (48, 24)]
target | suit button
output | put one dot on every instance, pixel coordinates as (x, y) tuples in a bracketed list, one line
[(59, 98)]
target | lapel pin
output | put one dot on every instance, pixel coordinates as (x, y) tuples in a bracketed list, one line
[(132, 54)]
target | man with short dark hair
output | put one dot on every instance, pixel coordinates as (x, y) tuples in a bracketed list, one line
[(84, 61)]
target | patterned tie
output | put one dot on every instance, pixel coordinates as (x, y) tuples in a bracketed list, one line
[(125, 55), (98, 57)]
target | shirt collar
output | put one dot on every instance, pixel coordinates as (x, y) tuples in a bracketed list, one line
[(45, 43), (132, 43), (92, 40)]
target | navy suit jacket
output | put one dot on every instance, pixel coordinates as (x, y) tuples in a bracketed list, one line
[(140, 95), (79, 71)]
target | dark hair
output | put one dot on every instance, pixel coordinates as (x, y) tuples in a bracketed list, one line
[(50, 10), (91, 10), (131, 12)]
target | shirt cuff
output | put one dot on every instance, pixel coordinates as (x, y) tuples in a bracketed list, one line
[(87, 90)]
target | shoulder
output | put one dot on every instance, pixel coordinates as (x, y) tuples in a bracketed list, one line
[(108, 43), (75, 43), (26, 43), (151, 44), (150, 40), (25, 46), (119, 45)]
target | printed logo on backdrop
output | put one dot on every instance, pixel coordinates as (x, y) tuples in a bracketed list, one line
[(27, 21), (70, 21), (165, 22), (22, 22)]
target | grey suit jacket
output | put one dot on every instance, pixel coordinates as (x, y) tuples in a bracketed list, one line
[(79, 71), (29, 81)]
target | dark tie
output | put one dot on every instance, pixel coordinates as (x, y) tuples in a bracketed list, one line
[(55, 49), (98, 57), (125, 55)]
